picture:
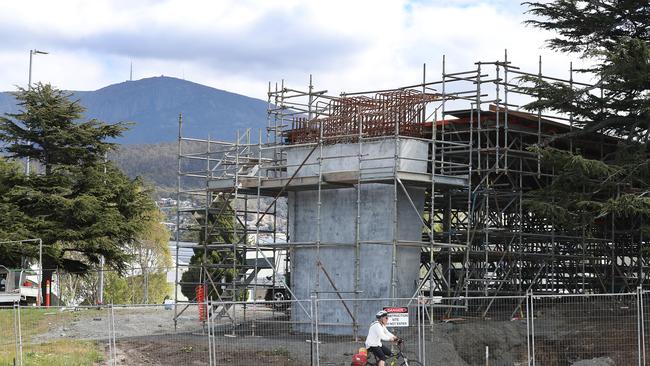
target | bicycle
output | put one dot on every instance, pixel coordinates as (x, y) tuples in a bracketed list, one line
[(392, 360)]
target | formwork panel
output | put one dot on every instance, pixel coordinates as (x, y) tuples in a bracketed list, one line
[(378, 157), (337, 252)]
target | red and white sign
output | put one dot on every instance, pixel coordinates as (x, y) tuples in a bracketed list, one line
[(397, 316)]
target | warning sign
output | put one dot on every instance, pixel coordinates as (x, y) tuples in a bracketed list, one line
[(397, 316)]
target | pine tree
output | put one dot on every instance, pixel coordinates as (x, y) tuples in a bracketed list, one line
[(82, 207), (47, 130), (14, 222), (614, 36), (220, 231)]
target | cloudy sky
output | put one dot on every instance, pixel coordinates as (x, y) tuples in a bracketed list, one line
[(241, 45)]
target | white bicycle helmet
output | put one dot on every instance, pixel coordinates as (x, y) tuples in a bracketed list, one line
[(381, 314)]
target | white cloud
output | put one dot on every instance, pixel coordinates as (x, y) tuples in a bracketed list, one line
[(240, 45)]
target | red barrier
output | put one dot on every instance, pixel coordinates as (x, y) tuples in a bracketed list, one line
[(47, 293), (200, 299)]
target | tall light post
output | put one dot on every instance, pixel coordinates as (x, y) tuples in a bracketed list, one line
[(29, 87), (31, 56)]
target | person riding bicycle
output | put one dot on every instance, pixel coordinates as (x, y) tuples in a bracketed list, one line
[(378, 333)]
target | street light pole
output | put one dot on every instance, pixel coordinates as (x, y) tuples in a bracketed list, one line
[(31, 55), (29, 87), (40, 271)]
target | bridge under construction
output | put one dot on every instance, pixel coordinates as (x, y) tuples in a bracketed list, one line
[(415, 191)]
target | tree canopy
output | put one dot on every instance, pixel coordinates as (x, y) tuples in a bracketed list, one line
[(614, 36), (15, 224), (79, 204), (591, 28), (48, 129)]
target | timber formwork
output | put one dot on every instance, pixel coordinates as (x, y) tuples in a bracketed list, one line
[(477, 236)]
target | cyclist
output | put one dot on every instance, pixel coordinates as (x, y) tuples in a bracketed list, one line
[(378, 333)]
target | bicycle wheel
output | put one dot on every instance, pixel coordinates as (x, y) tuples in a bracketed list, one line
[(411, 363)]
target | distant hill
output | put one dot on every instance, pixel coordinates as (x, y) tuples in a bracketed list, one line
[(154, 104), (156, 163)]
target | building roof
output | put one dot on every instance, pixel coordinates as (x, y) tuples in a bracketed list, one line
[(525, 120)]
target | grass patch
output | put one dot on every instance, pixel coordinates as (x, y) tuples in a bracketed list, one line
[(279, 351), (56, 352), (63, 352)]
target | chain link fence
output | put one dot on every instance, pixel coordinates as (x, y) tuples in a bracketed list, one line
[(477, 331), (158, 335), (570, 329), (9, 339), (260, 333), (55, 336), (555, 330)]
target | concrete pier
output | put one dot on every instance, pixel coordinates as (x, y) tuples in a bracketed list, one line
[(336, 229)]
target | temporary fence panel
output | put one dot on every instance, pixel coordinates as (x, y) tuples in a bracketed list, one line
[(149, 335), (477, 331), (572, 328), (337, 342), (261, 333), (9, 340), (518, 330), (63, 335)]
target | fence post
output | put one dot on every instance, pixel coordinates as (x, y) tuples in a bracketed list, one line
[(421, 331), (210, 339), (17, 335), (312, 305), (530, 327), (20, 336), (108, 335), (111, 333), (642, 306), (215, 318), (314, 320), (527, 299), (640, 325), (253, 326)]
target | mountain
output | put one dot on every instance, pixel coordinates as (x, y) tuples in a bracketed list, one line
[(149, 148), (153, 105)]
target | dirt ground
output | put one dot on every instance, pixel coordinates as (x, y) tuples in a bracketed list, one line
[(591, 334), (92, 324), (165, 351), (449, 345)]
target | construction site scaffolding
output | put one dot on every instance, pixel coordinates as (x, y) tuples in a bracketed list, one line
[(477, 236)]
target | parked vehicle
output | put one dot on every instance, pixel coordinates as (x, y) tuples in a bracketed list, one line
[(275, 290), (18, 285)]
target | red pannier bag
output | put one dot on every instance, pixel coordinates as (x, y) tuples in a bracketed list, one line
[(361, 358)]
